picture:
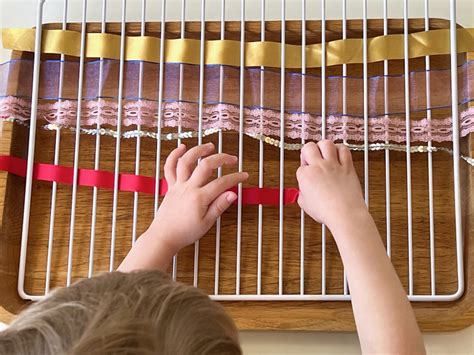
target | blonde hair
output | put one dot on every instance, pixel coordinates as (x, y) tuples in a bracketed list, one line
[(142, 312)]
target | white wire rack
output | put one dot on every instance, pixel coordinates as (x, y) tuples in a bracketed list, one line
[(259, 295)]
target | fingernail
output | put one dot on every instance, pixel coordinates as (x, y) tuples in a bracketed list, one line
[(210, 144), (231, 197), (245, 174)]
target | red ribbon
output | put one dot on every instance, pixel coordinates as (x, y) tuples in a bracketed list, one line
[(130, 182)]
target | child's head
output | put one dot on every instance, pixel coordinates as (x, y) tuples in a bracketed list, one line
[(135, 313)]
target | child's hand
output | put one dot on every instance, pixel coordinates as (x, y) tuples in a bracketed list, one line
[(329, 188), (330, 193), (193, 204)]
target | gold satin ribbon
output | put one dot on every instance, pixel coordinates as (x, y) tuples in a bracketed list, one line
[(227, 52)]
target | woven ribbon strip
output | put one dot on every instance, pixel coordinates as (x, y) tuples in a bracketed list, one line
[(129, 182), (101, 81), (100, 106), (226, 117), (226, 52)]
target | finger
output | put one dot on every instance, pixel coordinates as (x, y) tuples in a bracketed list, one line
[(220, 205), (328, 150), (224, 183), (344, 155), (299, 173), (172, 162), (310, 153), (204, 170), (303, 161), (300, 201), (187, 163)]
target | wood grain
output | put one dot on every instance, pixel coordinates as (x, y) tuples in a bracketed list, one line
[(433, 316)]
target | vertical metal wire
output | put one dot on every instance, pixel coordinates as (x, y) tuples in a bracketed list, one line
[(387, 151), (303, 131), (408, 145), (366, 107), (430, 162), (344, 70), (260, 155), (77, 142), (160, 106), (31, 150), (241, 142), (119, 134), (323, 132), (56, 162), (282, 146), (201, 100), (456, 159), (139, 129), (181, 69), (97, 152), (180, 98), (344, 103), (219, 150)]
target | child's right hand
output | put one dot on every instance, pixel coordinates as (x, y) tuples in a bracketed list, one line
[(329, 187), (330, 193)]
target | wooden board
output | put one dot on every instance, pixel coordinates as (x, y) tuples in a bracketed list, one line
[(248, 315)]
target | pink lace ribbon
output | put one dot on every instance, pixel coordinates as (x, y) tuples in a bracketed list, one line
[(226, 117)]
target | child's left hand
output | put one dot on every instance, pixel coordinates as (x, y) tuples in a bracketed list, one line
[(193, 204), (190, 208)]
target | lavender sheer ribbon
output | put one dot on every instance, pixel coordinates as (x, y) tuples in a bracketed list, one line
[(15, 91), (16, 80)]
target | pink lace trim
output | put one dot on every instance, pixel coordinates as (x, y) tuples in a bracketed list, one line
[(226, 117)]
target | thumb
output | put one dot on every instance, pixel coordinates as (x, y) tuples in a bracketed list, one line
[(220, 204)]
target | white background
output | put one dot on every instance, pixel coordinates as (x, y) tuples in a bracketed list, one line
[(21, 13)]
